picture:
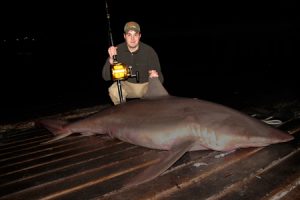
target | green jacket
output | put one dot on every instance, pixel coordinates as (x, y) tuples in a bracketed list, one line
[(142, 60)]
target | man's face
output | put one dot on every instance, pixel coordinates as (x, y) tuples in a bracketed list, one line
[(132, 38)]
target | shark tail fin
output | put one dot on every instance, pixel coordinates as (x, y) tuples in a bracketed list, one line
[(56, 127)]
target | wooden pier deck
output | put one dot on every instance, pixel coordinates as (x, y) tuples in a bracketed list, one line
[(97, 167)]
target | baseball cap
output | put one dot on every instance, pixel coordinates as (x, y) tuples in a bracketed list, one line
[(132, 26)]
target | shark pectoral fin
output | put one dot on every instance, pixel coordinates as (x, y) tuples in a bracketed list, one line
[(86, 134), (165, 160), (58, 137)]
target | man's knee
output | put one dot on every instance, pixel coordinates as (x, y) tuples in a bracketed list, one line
[(136, 90)]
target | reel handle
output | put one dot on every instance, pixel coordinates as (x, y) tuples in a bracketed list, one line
[(136, 75)]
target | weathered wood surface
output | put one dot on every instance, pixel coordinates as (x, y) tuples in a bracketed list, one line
[(97, 167)]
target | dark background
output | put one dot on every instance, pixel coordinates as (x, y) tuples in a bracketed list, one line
[(52, 53)]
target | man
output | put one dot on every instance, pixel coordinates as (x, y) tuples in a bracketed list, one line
[(140, 56)]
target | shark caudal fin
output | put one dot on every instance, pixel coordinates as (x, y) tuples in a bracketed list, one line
[(155, 89), (165, 160), (56, 127)]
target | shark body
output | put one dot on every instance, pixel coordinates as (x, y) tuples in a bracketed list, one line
[(171, 123)]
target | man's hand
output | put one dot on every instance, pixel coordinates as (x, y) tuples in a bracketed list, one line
[(112, 51), (153, 73)]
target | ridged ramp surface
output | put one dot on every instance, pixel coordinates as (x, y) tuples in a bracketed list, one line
[(96, 167)]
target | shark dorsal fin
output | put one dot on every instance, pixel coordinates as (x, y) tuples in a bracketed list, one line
[(155, 89)]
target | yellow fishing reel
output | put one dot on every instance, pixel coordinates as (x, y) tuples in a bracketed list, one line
[(120, 71)]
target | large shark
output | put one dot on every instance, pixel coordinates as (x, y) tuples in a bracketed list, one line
[(175, 124)]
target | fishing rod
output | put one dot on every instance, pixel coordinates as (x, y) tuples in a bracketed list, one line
[(119, 71), (111, 41)]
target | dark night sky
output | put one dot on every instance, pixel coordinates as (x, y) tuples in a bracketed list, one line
[(52, 53)]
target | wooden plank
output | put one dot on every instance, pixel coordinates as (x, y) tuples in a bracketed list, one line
[(290, 192), (205, 181), (26, 162), (60, 172), (104, 171), (99, 168)]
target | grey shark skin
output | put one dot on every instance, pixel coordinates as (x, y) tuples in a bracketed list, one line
[(176, 124)]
